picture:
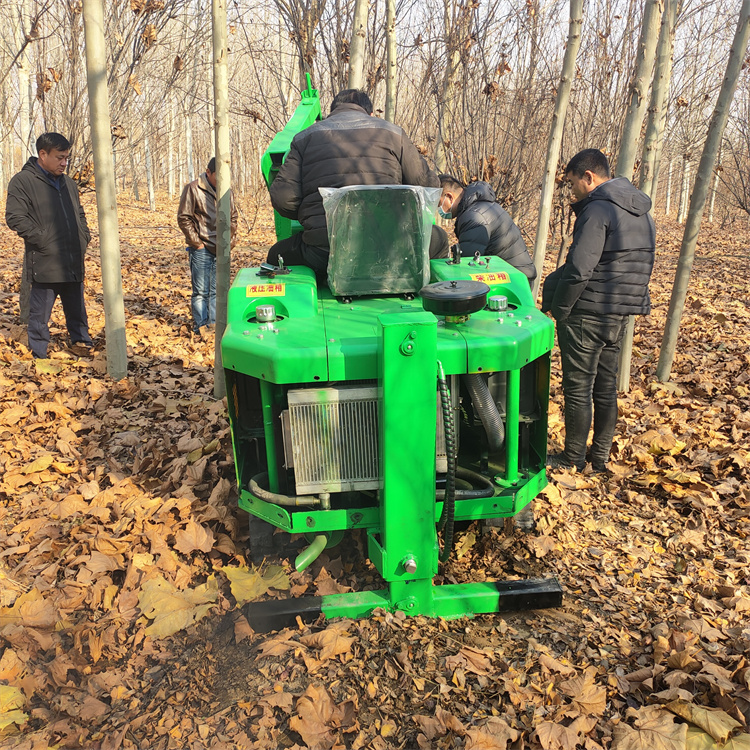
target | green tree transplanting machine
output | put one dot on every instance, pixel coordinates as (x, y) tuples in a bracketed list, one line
[(406, 395)]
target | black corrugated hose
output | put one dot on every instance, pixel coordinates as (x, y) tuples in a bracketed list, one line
[(486, 409), (447, 517)]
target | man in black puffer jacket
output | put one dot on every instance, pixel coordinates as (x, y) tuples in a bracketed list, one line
[(604, 279), (349, 147), (482, 224)]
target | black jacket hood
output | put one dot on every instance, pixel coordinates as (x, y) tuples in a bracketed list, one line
[(622, 193), (474, 192)]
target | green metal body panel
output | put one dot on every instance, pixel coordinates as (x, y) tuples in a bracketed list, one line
[(451, 600), (407, 375), (307, 112)]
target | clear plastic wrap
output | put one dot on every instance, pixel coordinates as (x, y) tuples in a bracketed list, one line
[(379, 237)]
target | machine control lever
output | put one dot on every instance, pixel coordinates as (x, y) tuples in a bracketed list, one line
[(268, 269)]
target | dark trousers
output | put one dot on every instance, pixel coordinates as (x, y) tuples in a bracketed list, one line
[(41, 302), (295, 252), (589, 348)]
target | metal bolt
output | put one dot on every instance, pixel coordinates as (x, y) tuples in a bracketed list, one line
[(410, 565), (528, 317), (260, 335), (519, 323)]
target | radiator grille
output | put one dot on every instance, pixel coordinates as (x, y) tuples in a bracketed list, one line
[(333, 439)]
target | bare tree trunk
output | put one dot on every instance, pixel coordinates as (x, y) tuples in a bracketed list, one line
[(223, 183), (22, 65), (639, 89), (629, 143), (555, 137), (713, 198), (668, 204), (106, 193), (698, 199), (391, 60), (24, 121), (684, 190), (133, 172), (357, 45), (149, 173), (189, 145), (170, 162), (445, 101), (181, 167), (657, 113)]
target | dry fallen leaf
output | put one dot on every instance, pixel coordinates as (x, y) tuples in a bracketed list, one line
[(11, 703), (655, 730), (249, 584), (718, 724), (171, 609)]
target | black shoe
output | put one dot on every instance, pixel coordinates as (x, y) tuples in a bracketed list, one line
[(561, 461), (600, 470)]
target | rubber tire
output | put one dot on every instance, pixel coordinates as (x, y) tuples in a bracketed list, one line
[(261, 539)]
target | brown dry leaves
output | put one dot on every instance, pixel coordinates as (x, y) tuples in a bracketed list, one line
[(118, 526)]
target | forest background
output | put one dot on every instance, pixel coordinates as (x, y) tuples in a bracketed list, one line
[(118, 497)]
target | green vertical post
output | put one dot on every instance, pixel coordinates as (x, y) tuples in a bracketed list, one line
[(407, 374), (268, 398), (513, 395)]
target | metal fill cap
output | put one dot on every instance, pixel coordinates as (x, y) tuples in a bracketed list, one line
[(265, 313), (458, 297), (497, 302)]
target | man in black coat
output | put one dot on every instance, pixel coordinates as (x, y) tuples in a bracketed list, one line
[(349, 147), (604, 280), (482, 224), (44, 209)]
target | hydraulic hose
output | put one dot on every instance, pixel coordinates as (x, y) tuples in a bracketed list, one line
[(310, 553), (447, 517), (274, 497), (485, 489), (487, 410)]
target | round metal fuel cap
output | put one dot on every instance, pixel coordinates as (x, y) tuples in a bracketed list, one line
[(458, 297)]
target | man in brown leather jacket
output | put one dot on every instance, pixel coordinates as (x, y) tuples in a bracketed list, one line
[(196, 217)]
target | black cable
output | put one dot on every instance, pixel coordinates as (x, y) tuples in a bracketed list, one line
[(447, 517)]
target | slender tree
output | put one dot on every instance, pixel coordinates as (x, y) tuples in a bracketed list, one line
[(456, 21), (223, 180), (149, 172), (639, 87), (357, 45), (700, 191), (657, 111), (24, 116), (629, 142), (555, 136), (106, 193), (390, 73)]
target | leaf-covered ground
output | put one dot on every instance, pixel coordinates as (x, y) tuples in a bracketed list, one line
[(119, 527)]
